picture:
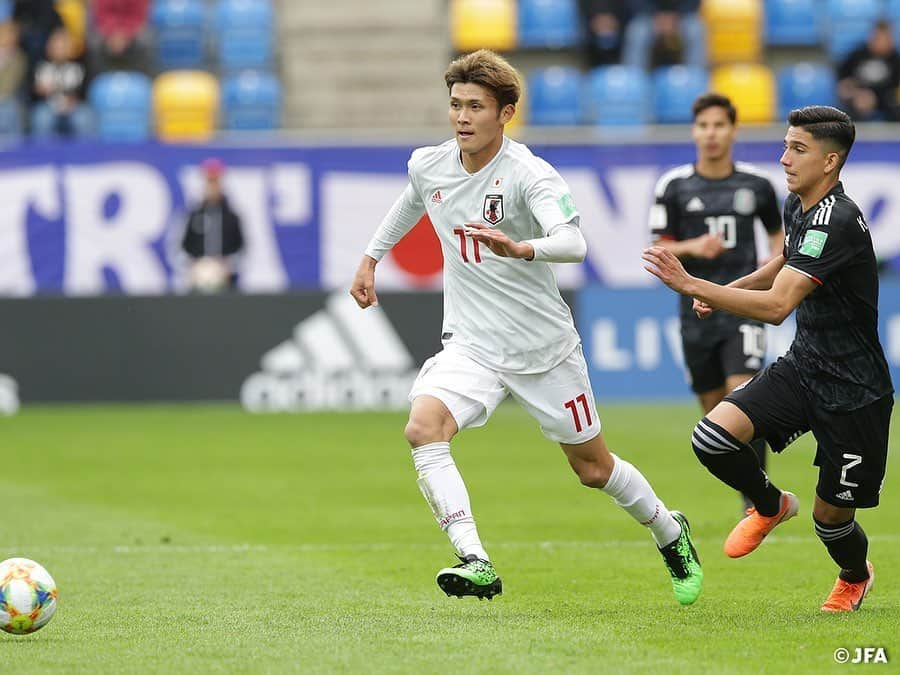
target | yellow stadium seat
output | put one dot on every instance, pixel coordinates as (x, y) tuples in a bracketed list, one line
[(488, 24), (734, 30), (73, 14), (185, 105), (751, 87)]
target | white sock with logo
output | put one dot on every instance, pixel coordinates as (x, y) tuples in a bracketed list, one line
[(630, 490), (444, 490)]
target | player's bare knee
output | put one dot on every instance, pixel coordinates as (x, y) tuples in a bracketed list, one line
[(828, 514), (421, 430), (592, 474)]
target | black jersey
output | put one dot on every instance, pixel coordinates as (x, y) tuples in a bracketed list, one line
[(689, 205), (836, 350)]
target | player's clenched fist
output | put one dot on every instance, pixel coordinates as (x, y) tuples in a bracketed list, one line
[(363, 287)]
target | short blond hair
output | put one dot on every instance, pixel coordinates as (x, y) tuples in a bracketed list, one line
[(491, 71)]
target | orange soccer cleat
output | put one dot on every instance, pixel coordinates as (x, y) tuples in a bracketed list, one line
[(846, 596), (749, 533)]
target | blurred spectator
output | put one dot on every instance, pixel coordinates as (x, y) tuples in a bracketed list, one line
[(605, 22), (213, 236), (36, 19), (13, 64), (868, 78), (59, 88), (120, 41), (664, 33)]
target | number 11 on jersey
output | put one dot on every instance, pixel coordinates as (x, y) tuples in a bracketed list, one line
[(463, 245)]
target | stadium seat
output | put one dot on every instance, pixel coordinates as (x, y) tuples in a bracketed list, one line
[(489, 24), (892, 13), (674, 91), (793, 23), (751, 87), (74, 16), (121, 103), (618, 96), (805, 84), (5, 9), (848, 24), (245, 34), (251, 100), (734, 30), (549, 24), (185, 105), (180, 33), (554, 96)]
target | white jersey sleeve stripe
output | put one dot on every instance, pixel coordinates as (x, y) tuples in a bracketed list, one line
[(682, 171)]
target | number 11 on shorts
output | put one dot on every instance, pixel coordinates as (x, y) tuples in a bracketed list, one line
[(573, 407)]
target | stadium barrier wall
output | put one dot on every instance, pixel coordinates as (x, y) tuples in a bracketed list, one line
[(316, 350), (632, 340), (85, 219)]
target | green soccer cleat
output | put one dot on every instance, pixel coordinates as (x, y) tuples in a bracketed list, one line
[(472, 576), (683, 563)]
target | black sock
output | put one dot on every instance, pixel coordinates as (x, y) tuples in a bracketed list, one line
[(759, 449), (735, 464), (848, 546)]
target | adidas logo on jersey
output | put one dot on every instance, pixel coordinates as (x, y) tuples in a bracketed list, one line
[(339, 358), (695, 204), (846, 495), (436, 198)]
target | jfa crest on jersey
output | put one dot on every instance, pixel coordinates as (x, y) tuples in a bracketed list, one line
[(493, 209)]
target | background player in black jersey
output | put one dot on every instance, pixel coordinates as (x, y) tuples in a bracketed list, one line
[(834, 380), (705, 213)]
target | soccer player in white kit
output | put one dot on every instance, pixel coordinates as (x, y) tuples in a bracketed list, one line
[(502, 215)]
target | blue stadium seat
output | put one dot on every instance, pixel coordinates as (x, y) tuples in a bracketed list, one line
[(804, 84), (554, 96), (674, 91), (549, 24), (122, 106), (180, 33), (618, 96), (5, 9), (892, 13), (848, 24), (251, 101), (793, 22), (245, 34)]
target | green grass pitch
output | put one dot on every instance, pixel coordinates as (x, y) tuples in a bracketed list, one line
[(194, 539)]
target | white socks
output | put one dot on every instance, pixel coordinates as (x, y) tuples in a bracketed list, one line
[(445, 491), (630, 490)]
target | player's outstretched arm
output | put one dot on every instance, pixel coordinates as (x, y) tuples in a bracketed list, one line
[(706, 246), (770, 306), (363, 287)]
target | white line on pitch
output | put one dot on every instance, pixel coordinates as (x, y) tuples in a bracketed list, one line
[(137, 549)]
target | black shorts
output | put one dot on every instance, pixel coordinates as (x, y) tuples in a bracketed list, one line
[(738, 351), (851, 450)]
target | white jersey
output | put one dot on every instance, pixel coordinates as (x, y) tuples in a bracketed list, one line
[(505, 313)]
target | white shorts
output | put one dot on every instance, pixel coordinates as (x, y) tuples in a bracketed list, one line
[(561, 399)]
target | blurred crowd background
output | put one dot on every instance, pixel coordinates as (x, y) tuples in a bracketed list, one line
[(129, 70)]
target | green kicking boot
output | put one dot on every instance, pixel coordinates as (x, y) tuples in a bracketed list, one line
[(683, 563), (471, 577)]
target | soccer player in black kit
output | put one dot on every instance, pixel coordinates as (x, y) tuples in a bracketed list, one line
[(705, 213), (834, 379)]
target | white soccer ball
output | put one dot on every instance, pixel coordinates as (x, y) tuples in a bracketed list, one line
[(27, 596)]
